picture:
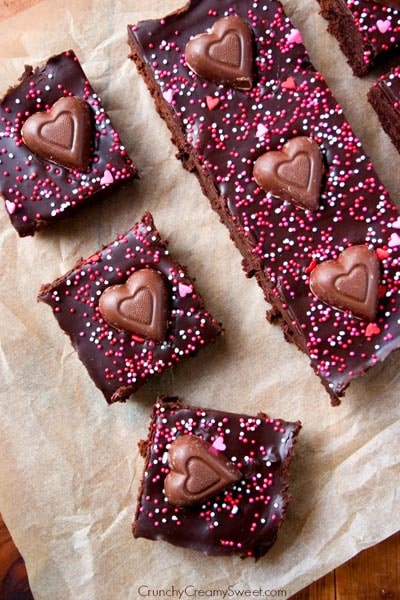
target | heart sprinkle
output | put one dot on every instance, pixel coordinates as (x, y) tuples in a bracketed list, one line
[(372, 329), (294, 37), (289, 84), (107, 178), (225, 55), (212, 102), (168, 95), (10, 206), (383, 25), (396, 223), (382, 253), (261, 131), (184, 290), (394, 240), (196, 473), (219, 444)]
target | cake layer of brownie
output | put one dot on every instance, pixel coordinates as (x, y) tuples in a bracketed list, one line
[(244, 518), (221, 132), (385, 98), (130, 311), (66, 154), (366, 30)]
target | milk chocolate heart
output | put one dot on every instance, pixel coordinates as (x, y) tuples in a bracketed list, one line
[(225, 55), (62, 135), (198, 471), (293, 173), (350, 283), (138, 306)]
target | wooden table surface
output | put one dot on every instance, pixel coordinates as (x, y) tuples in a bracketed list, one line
[(372, 575)]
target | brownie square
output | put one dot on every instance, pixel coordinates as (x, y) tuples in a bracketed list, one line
[(61, 173), (222, 132), (366, 30), (130, 311), (244, 517), (384, 96)]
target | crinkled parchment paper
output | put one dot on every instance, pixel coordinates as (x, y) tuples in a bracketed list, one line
[(69, 463)]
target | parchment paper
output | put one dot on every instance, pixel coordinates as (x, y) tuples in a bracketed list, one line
[(69, 463)]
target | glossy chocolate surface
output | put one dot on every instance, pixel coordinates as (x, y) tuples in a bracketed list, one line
[(37, 191), (120, 362), (281, 243), (243, 519)]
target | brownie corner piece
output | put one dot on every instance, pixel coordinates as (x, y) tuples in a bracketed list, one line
[(384, 96), (214, 481), (334, 220), (130, 311), (366, 31), (58, 147)]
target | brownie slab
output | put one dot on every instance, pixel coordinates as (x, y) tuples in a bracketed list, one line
[(366, 30), (384, 96), (221, 132), (130, 311), (54, 157), (245, 517)]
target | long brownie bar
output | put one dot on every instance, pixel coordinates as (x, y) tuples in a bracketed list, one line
[(385, 98), (367, 30), (214, 481), (130, 311), (58, 147), (222, 131)]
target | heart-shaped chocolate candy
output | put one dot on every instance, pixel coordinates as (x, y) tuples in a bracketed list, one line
[(293, 173), (62, 135), (350, 283), (198, 471), (138, 306), (225, 55)]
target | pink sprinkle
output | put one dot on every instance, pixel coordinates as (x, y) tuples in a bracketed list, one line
[(396, 224), (107, 178), (184, 289), (394, 240), (289, 84), (212, 102), (10, 206), (219, 444), (168, 95), (372, 329), (294, 37), (261, 131), (382, 253), (383, 26)]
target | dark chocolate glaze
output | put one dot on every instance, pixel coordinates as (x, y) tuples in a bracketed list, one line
[(38, 191), (280, 243), (367, 31), (118, 361), (245, 518)]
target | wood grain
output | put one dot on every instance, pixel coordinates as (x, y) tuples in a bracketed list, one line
[(14, 584)]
